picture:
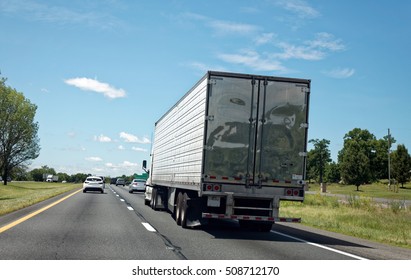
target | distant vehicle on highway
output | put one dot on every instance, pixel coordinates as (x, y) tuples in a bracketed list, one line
[(113, 181), (52, 178), (137, 185), (93, 183), (120, 181)]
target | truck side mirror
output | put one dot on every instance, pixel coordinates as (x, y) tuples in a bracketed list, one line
[(144, 164)]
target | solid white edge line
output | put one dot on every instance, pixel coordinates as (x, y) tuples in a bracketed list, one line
[(320, 246), (148, 227)]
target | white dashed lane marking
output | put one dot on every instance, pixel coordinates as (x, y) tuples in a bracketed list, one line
[(148, 227)]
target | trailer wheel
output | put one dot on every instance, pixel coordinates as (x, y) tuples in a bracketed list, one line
[(178, 208), (266, 227), (184, 211), (153, 202)]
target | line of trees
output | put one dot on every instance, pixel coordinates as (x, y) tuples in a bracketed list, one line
[(21, 174), (363, 159)]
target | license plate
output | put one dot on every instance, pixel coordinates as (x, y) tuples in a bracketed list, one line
[(213, 201)]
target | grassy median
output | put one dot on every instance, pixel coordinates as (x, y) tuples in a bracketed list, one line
[(18, 195), (357, 213)]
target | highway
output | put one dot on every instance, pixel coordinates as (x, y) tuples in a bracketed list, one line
[(117, 225)]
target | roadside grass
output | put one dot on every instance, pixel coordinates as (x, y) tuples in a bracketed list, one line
[(377, 190), (17, 195), (355, 216)]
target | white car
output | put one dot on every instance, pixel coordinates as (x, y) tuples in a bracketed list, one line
[(137, 185), (93, 183)]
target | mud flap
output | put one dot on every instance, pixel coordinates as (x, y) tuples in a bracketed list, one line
[(194, 211)]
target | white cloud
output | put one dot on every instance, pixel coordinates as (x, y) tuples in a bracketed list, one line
[(290, 51), (102, 138), (137, 149), (223, 27), (226, 27), (35, 11), (253, 60), (95, 159), (96, 86), (124, 164), (71, 134), (326, 41), (316, 49), (299, 7), (133, 139), (121, 147), (340, 73), (74, 149), (128, 164), (264, 38)]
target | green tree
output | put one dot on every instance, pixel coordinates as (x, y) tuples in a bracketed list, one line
[(354, 165), (379, 157), (20, 173), (78, 178), (19, 142), (318, 158), (401, 164), (310, 173), (355, 157), (332, 172), (63, 176), (38, 173)]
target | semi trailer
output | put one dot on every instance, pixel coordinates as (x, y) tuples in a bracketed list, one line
[(233, 147)]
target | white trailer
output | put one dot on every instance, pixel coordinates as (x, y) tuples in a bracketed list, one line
[(52, 178), (233, 147)]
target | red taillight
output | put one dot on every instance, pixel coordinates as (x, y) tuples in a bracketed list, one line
[(289, 192), (296, 192), (212, 188)]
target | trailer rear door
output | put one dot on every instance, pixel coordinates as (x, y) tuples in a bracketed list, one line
[(256, 130)]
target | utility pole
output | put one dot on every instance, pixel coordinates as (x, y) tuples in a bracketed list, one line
[(389, 161)]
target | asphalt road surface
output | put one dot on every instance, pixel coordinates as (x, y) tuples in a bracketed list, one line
[(117, 225)]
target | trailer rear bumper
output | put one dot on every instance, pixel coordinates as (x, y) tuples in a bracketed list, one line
[(250, 218)]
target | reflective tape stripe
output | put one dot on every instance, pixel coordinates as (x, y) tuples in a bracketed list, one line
[(251, 218)]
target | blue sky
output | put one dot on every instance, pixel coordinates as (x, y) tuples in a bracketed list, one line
[(102, 72)]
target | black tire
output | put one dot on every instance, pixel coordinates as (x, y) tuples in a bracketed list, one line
[(178, 208), (153, 202), (184, 210), (266, 227)]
